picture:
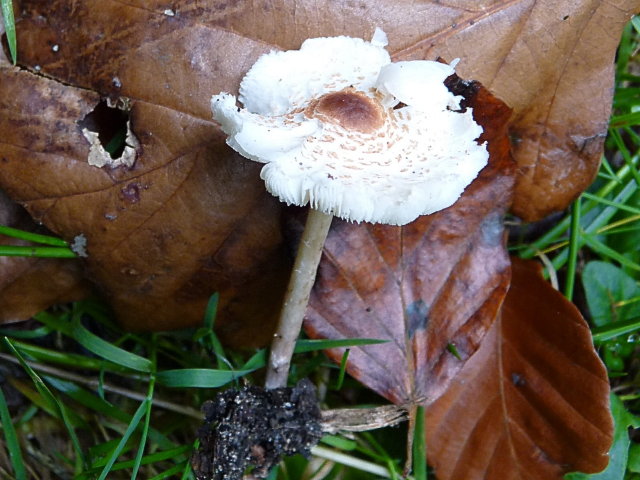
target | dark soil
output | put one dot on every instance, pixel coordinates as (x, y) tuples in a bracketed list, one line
[(255, 427)]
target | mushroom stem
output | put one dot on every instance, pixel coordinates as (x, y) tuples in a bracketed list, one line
[(297, 297)]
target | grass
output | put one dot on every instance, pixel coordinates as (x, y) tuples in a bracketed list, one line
[(103, 403), (92, 388), (9, 28)]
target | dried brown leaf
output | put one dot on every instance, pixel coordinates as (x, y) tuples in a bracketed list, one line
[(533, 402), (188, 219)]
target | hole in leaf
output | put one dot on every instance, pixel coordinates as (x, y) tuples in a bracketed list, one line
[(110, 123)]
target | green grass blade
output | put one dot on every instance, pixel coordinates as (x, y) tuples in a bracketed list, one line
[(125, 438), (600, 220), (606, 251), (32, 237), (187, 473), (87, 399), (147, 460), (305, 345), (622, 148), (25, 334), (145, 434), (341, 443), (27, 415), (207, 336), (80, 460), (34, 397), (60, 322), (147, 417), (104, 408), (198, 377), (37, 381), (38, 252), (108, 351), (56, 406), (211, 311), (624, 120), (625, 50), (258, 360), (47, 355), (574, 246), (612, 330), (604, 201), (11, 439), (10, 28), (343, 369), (621, 179), (419, 447)]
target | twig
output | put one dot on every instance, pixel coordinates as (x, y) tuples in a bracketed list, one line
[(553, 275), (339, 457), (94, 384), (361, 419)]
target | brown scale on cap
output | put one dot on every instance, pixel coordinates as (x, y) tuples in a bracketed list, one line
[(350, 109)]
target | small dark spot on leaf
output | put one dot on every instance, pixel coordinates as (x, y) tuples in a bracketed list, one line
[(131, 193), (515, 138), (518, 380), (492, 230), (417, 316)]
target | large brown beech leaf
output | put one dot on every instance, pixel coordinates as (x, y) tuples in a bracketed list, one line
[(162, 236), (532, 403), (436, 282), (190, 217)]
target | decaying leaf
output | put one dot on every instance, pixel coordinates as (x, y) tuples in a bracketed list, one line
[(190, 217), (161, 236), (533, 402), (432, 284), (29, 285)]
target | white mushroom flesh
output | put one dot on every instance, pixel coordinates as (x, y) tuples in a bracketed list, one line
[(342, 129)]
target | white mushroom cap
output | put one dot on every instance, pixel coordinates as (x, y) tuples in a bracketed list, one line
[(281, 82), (342, 129)]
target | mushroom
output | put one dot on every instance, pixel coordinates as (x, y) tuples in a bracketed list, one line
[(342, 129)]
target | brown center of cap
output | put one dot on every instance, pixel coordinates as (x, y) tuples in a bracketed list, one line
[(351, 110)]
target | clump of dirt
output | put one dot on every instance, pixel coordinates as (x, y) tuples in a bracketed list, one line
[(256, 427)]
